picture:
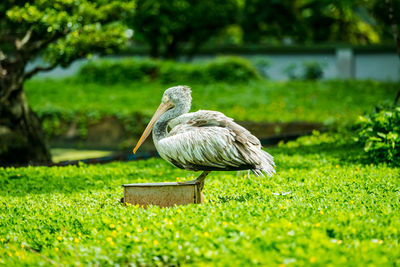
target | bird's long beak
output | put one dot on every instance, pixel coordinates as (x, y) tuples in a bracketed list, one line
[(161, 109)]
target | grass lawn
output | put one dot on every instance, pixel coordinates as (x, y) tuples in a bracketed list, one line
[(321, 101), (323, 207)]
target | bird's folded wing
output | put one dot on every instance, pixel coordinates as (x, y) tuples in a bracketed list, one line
[(212, 146), (205, 118)]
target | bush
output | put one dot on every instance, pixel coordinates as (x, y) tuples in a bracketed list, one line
[(106, 71), (379, 133), (312, 70), (223, 69)]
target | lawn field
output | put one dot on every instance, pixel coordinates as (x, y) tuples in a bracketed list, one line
[(314, 101), (324, 207)]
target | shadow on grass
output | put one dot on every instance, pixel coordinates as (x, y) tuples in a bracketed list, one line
[(237, 198)]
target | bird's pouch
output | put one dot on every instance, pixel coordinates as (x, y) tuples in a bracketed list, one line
[(163, 194)]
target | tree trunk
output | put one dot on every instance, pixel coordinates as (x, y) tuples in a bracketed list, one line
[(171, 50), (21, 137)]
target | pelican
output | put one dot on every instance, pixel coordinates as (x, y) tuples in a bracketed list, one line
[(204, 140)]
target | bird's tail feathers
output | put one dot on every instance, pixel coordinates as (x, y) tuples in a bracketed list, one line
[(266, 166)]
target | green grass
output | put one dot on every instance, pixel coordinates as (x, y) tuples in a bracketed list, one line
[(324, 207), (321, 101)]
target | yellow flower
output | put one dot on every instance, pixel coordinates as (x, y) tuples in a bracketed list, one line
[(10, 254), (79, 234), (59, 237), (206, 234), (321, 212), (114, 233), (56, 249), (224, 223), (22, 245), (313, 259), (76, 240), (2, 240), (112, 226), (155, 242), (139, 230), (118, 228), (109, 239), (128, 234), (351, 202), (317, 225)]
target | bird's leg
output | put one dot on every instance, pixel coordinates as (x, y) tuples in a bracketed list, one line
[(199, 180)]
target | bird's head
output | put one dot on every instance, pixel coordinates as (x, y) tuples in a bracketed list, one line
[(178, 96)]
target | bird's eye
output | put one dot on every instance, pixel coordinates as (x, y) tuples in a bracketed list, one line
[(165, 99)]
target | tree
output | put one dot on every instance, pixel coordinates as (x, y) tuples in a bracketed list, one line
[(168, 25), (268, 21), (308, 21), (391, 8), (60, 31)]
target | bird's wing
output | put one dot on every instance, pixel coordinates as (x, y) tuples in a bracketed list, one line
[(210, 139), (191, 147), (204, 118)]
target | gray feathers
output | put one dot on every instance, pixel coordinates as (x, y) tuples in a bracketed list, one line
[(208, 140)]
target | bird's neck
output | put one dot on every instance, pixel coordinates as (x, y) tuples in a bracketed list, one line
[(160, 129)]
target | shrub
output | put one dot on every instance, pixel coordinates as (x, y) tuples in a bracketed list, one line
[(312, 70), (379, 133), (231, 69), (223, 69), (106, 71)]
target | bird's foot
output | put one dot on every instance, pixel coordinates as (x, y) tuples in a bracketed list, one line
[(199, 181)]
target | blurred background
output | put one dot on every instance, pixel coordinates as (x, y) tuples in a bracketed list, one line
[(80, 79)]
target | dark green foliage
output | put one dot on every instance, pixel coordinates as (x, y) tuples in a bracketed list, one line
[(226, 69), (312, 70), (167, 25), (379, 134), (312, 21), (118, 72), (65, 30), (231, 69)]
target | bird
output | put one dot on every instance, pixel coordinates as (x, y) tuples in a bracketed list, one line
[(204, 140)]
